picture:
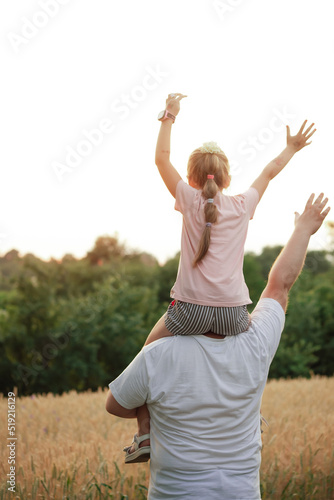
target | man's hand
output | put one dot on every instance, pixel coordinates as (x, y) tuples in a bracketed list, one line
[(313, 215), (299, 141), (173, 103), (289, 263)]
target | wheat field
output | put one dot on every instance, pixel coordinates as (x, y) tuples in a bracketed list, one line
[(68, 447)]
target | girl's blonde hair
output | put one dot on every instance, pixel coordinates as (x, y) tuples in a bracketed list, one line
[(200, 165)]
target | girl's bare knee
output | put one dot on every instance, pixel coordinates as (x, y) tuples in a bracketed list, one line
[(159, 331)]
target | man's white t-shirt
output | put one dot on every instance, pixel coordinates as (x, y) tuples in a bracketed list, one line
[(204, 398)]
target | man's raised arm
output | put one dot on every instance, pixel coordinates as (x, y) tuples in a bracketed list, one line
[(289, 263)]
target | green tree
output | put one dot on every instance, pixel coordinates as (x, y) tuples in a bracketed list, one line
[(30, 314), (253, 278), (307, 344), (166, 276), (106, 248), (10, 266), (267, 258)]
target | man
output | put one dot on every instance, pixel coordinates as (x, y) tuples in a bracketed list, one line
[(204, 392)]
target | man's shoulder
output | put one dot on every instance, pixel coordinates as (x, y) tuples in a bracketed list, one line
[(268, 306), (267, 323)]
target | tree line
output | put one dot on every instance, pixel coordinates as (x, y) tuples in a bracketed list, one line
[(76, 323)]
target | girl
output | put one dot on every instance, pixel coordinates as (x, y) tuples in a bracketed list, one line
[(210, 294)]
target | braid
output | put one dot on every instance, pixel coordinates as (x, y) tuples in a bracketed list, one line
[(210, 170), (209, 191)]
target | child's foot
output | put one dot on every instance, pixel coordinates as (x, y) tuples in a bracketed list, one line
[(139, 450)]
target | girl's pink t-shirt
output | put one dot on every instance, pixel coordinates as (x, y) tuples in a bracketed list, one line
[(218, 279)]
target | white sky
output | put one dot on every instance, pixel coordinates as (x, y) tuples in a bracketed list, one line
[(242, 70)]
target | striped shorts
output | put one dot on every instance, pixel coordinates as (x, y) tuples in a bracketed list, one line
[(183, 318)]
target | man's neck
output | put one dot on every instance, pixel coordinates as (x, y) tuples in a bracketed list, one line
[(214, 335)]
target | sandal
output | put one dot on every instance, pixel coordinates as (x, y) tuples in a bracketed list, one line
[(140, 454)]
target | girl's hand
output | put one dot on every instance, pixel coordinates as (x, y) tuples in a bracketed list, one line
[(297, 142), (173, 103)]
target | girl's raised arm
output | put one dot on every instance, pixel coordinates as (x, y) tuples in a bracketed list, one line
[(294, 143), (169, 174)]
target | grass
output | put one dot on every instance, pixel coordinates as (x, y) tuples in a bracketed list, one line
[(68, 447), (298, 447)]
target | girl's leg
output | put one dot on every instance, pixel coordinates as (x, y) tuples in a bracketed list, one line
[(143, 416), (143, 419), (158, 331)]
